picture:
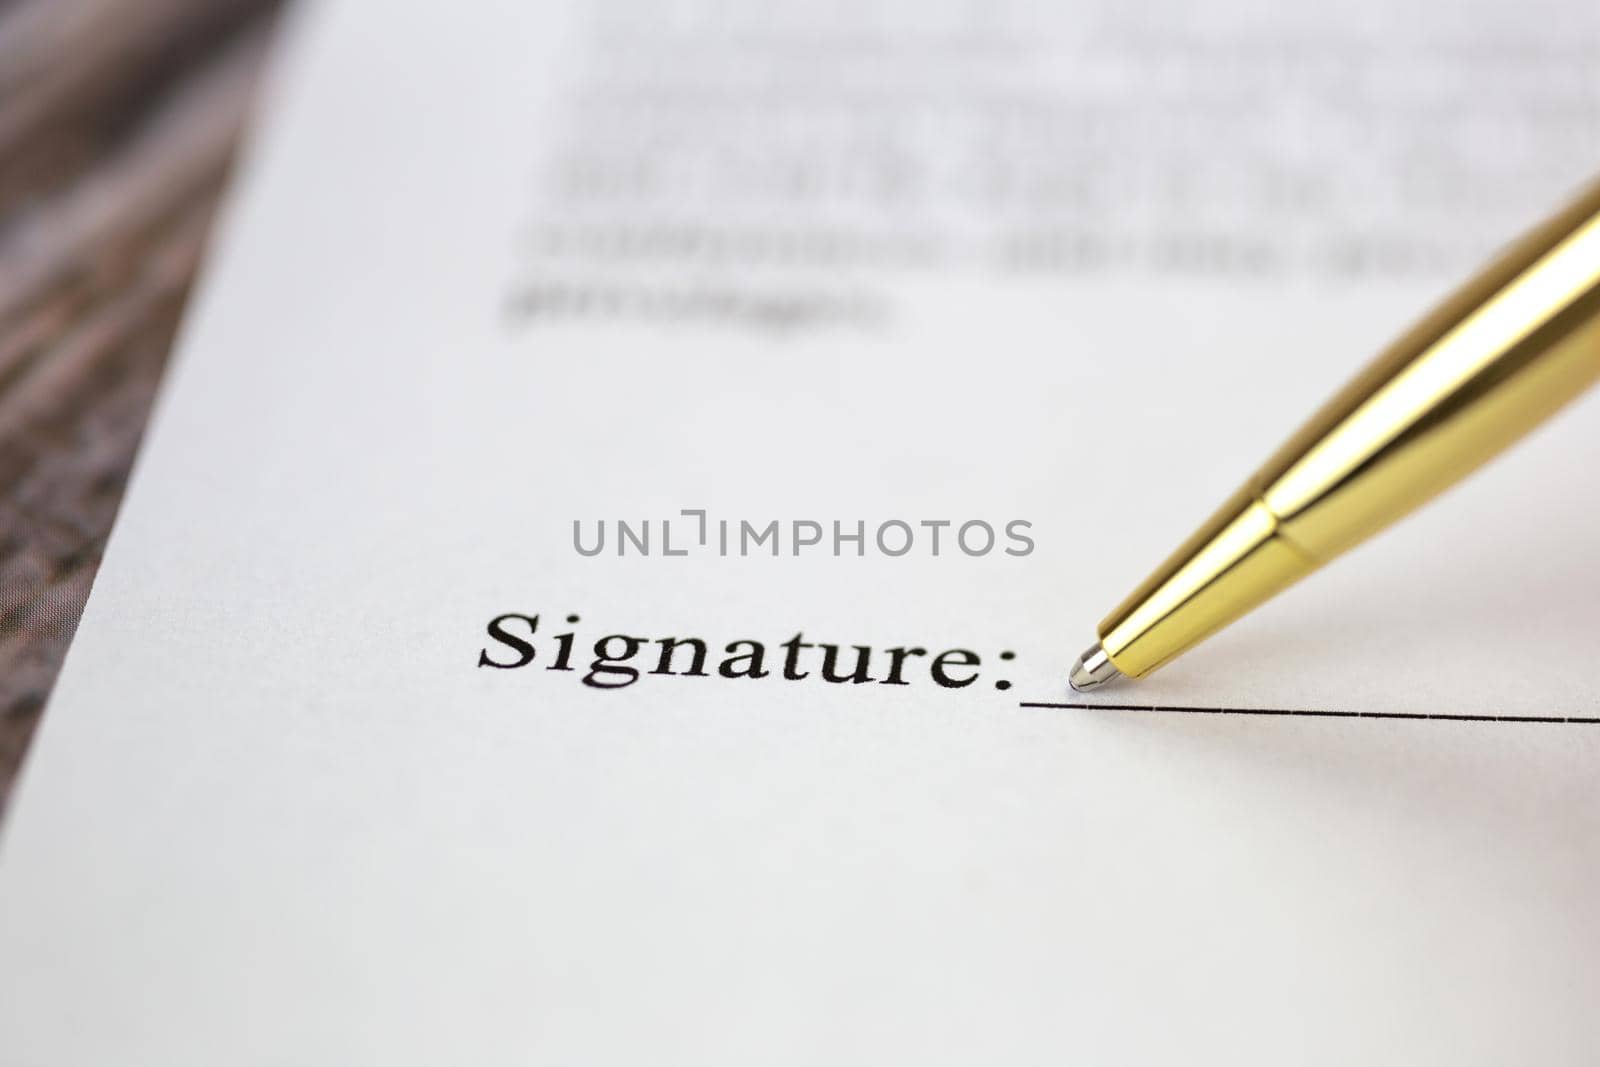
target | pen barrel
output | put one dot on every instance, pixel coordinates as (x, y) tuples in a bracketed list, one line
[(1497, 358)]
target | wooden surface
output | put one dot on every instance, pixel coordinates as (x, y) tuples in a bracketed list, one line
[(117, 124)]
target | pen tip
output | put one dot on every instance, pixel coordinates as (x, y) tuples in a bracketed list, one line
[(1093, 669)]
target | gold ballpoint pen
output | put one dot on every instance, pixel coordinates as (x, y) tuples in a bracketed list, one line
[(1494, 360)]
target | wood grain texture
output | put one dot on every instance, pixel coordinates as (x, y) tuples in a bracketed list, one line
[(117, 126)]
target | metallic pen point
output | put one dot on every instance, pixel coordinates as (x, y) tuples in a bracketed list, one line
[(1093, 669)]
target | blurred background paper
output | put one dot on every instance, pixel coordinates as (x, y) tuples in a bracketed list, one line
[(491, 269)]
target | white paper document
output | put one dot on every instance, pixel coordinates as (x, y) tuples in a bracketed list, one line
[(599, 584)]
